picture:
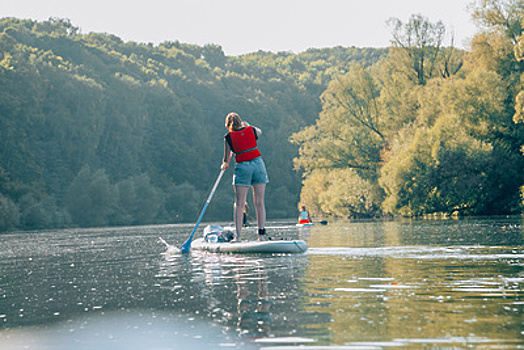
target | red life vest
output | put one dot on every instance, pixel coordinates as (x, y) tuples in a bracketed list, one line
[(244, 144)]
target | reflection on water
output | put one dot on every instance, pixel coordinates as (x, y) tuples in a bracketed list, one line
[(408, 284), (239, 292)]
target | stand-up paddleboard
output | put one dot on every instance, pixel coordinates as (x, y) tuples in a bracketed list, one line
[(252, 247), (305, 224)]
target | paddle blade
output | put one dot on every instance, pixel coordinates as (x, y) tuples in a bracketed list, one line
[(187, 244), (184, 248)]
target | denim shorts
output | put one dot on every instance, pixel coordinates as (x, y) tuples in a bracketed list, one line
[(251, 172)]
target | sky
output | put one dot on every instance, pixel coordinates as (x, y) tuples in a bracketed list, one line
[(243, 26)]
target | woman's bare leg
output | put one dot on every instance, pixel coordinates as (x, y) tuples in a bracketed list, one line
[(260, 206), (240, 200)]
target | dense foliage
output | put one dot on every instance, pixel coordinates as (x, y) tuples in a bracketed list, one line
[(96, 131), (429, 129)]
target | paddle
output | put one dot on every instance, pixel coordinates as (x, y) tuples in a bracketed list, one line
[(184, 248)]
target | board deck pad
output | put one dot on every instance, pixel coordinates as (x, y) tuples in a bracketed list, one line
[(252, 247)]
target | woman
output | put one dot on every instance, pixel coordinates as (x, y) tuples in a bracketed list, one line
[(303, 217), (250, 170)]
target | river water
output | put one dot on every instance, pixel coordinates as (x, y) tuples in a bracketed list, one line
[(454, 284)]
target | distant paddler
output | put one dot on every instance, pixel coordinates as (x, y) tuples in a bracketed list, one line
[(303, 217)]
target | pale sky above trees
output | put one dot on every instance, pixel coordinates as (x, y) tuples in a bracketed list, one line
[(243, 26)]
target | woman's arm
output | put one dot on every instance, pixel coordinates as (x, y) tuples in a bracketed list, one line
[(227, 155)]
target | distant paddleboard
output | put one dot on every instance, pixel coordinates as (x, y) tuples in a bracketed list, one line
[(252, 247), (305, 224)]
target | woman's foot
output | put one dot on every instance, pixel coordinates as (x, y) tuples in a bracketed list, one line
[(262, 235), (264, 238)]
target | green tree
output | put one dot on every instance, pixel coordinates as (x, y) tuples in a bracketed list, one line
[(498, 47), (91, 199), (453, 163), (417, 45), (364, 112), (349, 132), (34, 213), (341, 193), (214, 55), (9, 214), (519, 99), (443, 170), (139, 201), (417, 56), (182, 202), (347, 141)]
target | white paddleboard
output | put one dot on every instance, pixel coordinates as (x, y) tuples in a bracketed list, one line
[(305, 224), (252, 247)]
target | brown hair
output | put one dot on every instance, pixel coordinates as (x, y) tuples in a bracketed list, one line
[(233, 122)]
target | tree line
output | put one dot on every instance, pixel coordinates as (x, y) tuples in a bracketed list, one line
[(427, 130), (96, 131)]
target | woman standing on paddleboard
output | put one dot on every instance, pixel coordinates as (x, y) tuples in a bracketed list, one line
[(303, 217), (250, 170)]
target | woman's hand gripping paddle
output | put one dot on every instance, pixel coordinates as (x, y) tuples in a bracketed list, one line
[(184, 248)]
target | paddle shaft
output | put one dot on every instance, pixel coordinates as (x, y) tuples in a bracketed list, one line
[(184, 248)]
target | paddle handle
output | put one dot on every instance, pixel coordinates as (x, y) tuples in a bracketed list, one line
[(184, 248)]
